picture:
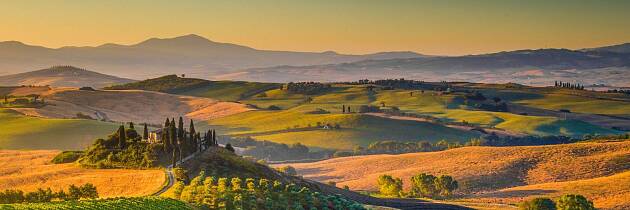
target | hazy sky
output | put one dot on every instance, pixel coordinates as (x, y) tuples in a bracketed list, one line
[(442, 27)]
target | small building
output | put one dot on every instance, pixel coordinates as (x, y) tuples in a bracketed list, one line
[(155, 136)]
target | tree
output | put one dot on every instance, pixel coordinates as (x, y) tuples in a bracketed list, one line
[(574, 202), (122, 138), (131, 126), (423, 185), (172, 132), (192, 138), (88, 190), (180, 130), (538, 204), (289, 170), (145, 134), (389, 185), (229, 147), (445, 185)]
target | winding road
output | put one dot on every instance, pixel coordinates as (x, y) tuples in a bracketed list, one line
[(170, 177)]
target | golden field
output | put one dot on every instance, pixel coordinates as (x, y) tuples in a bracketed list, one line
[(610, 192), (29, 170), (130, 105), (497, 174)]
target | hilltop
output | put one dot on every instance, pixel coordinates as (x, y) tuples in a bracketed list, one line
[(222, 90), (493, 170), (62, 76)]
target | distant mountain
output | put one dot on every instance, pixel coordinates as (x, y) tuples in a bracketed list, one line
[(620, 48), (62, 76), (190, 54), (533, 67)]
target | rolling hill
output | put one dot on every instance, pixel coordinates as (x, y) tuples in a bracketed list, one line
[(62, 76), (189, 54), (496, 172), (24, 132), (221, 90)]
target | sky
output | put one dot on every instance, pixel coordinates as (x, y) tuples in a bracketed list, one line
[(440, 27)]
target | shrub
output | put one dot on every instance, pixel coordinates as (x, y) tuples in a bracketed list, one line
[(423, 185), (274, 107), (538, 204), (67, 157), (574, 202), (389, 185), (445, 185), (180, 174), (289, 170)]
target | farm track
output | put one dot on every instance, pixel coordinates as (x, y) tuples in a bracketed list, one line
[(170, 177)]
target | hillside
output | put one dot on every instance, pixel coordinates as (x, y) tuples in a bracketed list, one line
[(62, 76), (24, 132), (189, 54), (133, 105), (533, 67), (483, 169), (609, 192), (29, 170), (221, 90)]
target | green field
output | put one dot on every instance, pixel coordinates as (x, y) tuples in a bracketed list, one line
[(21, 132), (229, 90), (300, 115), (113, 203), (575, 100)]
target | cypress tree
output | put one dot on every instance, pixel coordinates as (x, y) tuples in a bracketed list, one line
[(131, 126), (214, 138), (174, 158), (343, 108), (145, 134), (180, 130), (122, 138), (172, 132), (192, 139)]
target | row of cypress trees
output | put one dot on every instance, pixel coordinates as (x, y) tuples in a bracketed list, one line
[(181, 142)]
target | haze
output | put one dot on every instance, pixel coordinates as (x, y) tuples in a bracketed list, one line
[(428, 27)]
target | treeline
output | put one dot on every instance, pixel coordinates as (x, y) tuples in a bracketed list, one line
[(397, 147), (236, 193), (86, 191), (308, 88), (271, 151), (165, 84), (422, 185), (626, 91), (575, 86), (479, 101), (402, 83)]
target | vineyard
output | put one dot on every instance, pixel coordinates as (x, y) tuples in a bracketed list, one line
[(113, 203), (225, 193)]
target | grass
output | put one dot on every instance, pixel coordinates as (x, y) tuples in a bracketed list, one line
[(22, 132), (29, 170), (356, 129), (112, 203), (229, 90), (579, 104)]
